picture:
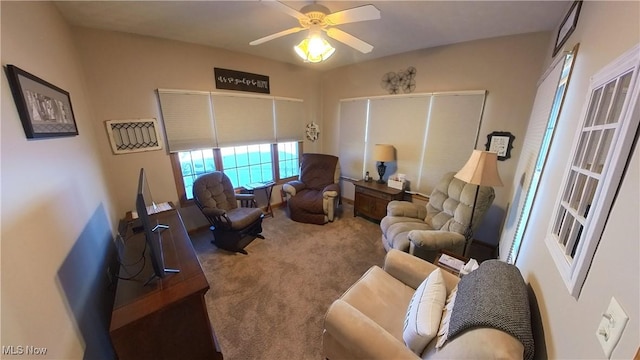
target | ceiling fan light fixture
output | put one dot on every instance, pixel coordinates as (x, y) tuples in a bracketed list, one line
[(314, 49)]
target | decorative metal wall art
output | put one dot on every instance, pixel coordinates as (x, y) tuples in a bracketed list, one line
[(313, 131), (129, 136), (402, 80)]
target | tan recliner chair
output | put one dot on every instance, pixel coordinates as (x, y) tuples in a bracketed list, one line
[(368, 320), (425, 230), (313, 198)]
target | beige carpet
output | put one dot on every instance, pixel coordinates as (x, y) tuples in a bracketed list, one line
[(270, 304)]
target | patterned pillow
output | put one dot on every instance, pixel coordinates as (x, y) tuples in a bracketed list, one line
[(424, 313)]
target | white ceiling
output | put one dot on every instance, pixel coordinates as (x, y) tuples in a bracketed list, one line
[(404, 25)]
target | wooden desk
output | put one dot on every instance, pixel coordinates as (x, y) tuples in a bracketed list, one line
[(166, 319), (371, 199)]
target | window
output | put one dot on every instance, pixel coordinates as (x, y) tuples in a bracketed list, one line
[(288, 160), (192, 164), (242, 164), (594, 173), (247, 164), (537, 141)]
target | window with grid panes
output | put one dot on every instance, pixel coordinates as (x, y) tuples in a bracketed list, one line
[(247, 164), (288, 159), (243, 165), (593, 176), (193, 164)]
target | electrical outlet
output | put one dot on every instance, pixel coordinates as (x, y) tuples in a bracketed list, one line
[(613, 321)]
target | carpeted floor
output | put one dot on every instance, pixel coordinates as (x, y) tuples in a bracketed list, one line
[(270, 304)]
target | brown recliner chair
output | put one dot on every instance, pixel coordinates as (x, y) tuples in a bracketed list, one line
[(233, 227), (313, 198)]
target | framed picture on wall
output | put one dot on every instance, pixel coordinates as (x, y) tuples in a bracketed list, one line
[(567, 26), (45, 109), (500, 142)]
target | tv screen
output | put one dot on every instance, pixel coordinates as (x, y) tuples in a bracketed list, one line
[(152, 229)]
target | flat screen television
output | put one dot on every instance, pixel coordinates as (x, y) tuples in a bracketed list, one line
[(151, 227)]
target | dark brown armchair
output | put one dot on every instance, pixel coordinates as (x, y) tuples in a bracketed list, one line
[(233, 227), (313, 198)]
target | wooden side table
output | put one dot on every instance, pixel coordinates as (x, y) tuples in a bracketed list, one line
[(444, 266), (268, 189), (371, 199)]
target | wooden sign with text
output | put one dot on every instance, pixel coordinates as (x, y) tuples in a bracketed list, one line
[(241, 81)]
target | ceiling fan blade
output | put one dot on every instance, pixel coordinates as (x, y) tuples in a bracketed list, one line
[(285, 9), (350, 40), (276, 35), (360, 13)]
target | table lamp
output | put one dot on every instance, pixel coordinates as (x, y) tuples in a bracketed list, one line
[(382, 153), (482, 170)]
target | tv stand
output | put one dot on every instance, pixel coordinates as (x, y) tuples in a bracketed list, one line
[(154, 276), (167, 318)]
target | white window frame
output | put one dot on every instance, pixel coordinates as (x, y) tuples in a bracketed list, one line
[(574, 269)]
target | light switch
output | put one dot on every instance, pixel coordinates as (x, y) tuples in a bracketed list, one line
[(613, 321)]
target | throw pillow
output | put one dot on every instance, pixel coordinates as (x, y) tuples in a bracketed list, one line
[(424, 313), (446, 315)]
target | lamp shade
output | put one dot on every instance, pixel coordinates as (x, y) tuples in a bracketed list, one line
[(314, 49), (481, 169), (383, 152)]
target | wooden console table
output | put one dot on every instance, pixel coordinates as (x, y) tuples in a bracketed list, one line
[(166, 319), (371, 199)]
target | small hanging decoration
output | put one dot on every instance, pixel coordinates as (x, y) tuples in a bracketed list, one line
[(402, 80), (312, 130)]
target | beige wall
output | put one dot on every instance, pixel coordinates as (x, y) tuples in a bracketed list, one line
[(507, 67), (51, 188), (605, 30), (123, 71)]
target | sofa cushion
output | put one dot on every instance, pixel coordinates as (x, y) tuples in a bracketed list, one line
[(377, 290), (396, 232), (477, 343), (424, 312)]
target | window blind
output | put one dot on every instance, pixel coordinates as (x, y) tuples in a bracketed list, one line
[(433, 133), (243, 120), (289, 119), (536, 129), (353, 118), (201, 120), (187, 120), (454, 122), (401, 122)]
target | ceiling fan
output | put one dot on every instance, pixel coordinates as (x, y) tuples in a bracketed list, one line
[(317, 18)]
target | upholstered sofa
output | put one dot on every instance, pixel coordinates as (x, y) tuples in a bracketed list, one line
[(370, 320), (440, 225)]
